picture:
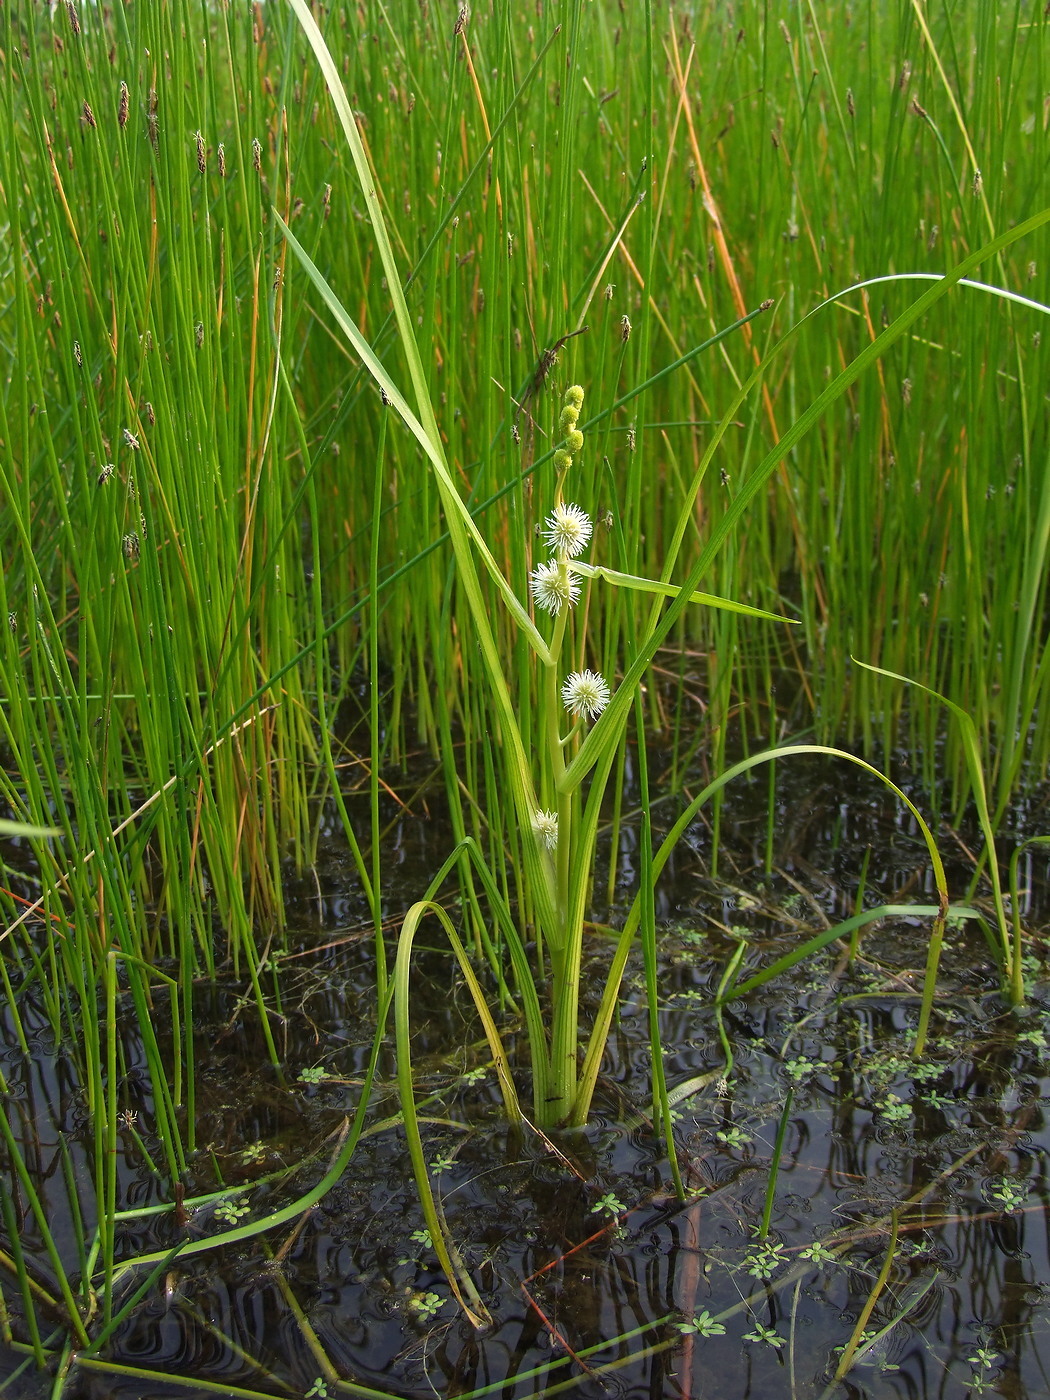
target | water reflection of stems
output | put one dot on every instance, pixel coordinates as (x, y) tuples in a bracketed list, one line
[(834, 1248)]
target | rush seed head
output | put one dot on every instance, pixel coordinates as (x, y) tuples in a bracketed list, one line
[(568, 530), (585, 694), (553, 587)]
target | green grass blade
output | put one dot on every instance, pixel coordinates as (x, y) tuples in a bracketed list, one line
[(1012, 972), (458, 1280)]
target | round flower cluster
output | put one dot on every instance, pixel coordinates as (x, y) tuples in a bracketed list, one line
[(585, 694), (553, 587), (568, 530), (545, 829)]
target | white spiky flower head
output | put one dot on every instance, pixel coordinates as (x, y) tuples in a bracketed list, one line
[(545, 829), (585, 694), (553, 587), (568, 530)]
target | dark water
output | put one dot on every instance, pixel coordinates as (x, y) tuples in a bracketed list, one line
[(912, 1192)]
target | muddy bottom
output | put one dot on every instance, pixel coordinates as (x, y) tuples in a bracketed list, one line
[(857, 1223)]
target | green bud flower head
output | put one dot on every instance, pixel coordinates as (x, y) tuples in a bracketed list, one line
[(585, 694), (553, 588), (562, 460), (545, 829), (574, 396), (569, 415), (568, 530), (574, 441)]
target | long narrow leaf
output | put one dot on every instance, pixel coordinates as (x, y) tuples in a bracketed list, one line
[(669, 590), (971, 747), (458, 1279)]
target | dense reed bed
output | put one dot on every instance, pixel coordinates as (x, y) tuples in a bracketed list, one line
[(222, 550), (190, 474)]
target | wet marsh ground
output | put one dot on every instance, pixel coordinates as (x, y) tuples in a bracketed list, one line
[(842, 1194)]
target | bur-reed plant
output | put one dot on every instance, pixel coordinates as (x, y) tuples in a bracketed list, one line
[(557, 822)]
